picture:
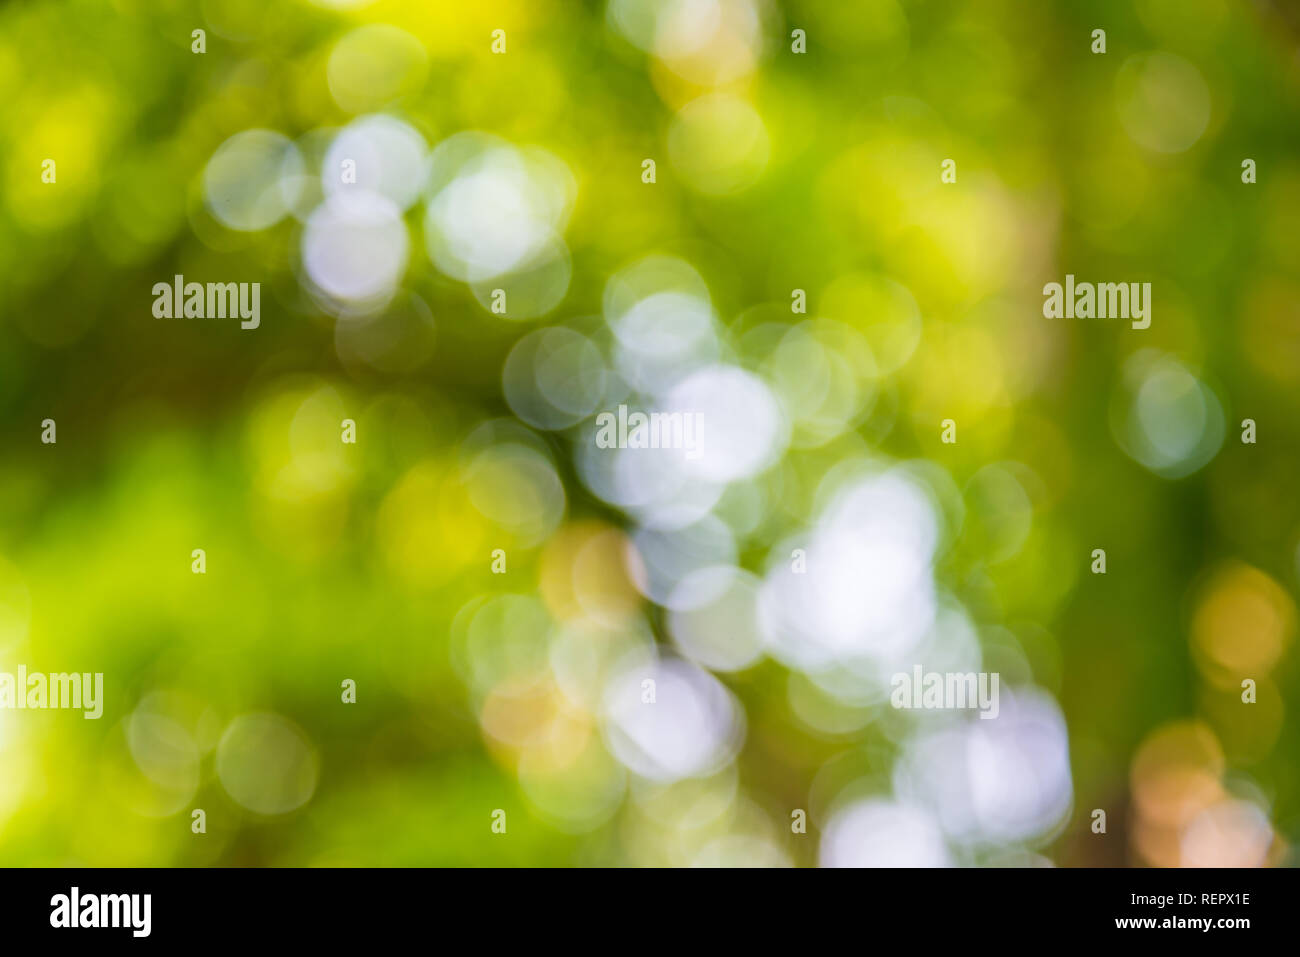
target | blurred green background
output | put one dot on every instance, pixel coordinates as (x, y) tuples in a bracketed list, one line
[(522, 171)]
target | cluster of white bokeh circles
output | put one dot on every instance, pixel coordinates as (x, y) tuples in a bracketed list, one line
[(494, 213), (494, 217)]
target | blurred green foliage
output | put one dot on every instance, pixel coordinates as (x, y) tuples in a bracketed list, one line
[(177, 435)]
